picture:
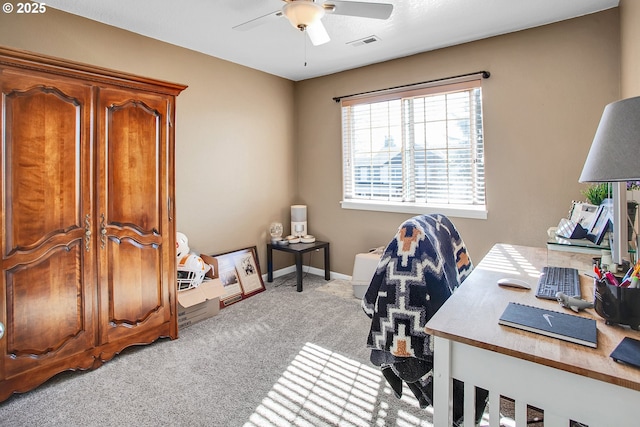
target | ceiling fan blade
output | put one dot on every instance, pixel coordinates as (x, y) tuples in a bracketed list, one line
[(256, 22), (317, 34), (358, 8)]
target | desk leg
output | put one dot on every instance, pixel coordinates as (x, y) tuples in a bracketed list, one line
[(327, 269), (269, 264), (442, 382), (299, 271)]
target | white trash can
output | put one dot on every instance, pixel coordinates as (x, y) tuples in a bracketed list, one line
[(364, 268)]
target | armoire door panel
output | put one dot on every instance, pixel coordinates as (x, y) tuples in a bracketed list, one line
[(134, 292), (42, 164), (135, 281), (134, 144), (48, 277), (48, 308), (133, 173)]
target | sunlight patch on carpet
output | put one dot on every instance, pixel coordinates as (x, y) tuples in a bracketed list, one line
[(321, 387), (340, 288)]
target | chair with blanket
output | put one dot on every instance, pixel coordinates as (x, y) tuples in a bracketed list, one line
[(419, 270)]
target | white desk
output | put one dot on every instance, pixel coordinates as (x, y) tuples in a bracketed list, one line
[(568, 381)]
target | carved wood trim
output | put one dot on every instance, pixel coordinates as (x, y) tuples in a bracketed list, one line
[(77, 70)]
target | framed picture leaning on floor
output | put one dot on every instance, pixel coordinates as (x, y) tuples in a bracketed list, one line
[(239, 272)]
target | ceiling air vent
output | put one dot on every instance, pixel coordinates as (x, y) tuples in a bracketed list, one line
[(364, 41)]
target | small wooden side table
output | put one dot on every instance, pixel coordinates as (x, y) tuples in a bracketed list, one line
[(298, 249)]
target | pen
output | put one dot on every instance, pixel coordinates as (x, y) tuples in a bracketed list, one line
[(611, 278), (597, 271)]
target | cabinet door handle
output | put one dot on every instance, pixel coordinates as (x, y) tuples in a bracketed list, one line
[(1, 330), (103, 232), (87, 232)]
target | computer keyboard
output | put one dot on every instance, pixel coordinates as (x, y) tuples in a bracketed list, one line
[(558, 279)]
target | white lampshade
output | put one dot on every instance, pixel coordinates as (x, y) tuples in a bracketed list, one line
[(615, 151), (302, 13)]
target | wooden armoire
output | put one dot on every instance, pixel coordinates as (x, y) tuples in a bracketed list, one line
[(87, 222)]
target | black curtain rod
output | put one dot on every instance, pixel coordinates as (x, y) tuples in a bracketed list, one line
[(485, 75)]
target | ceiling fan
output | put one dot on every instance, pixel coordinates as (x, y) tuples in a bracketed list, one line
[(306, 15)]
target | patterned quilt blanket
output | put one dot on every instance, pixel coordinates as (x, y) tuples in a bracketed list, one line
[(419, 269)]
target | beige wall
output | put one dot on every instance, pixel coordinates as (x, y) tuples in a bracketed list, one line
[(542, 105), (235, 144), (249, 144), (630, 58)]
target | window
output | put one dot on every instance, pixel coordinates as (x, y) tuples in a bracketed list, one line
[(417, 150)]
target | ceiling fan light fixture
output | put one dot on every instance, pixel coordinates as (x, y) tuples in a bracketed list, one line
[(303, 13)]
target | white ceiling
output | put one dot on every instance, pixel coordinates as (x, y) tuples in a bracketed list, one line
[(277, 48)]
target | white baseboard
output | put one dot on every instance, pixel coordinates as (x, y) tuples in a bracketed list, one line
[(306, 270)]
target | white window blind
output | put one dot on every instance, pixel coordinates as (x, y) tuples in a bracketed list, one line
[(421, 148)]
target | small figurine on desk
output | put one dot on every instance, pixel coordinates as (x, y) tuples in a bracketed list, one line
[(575, 304)]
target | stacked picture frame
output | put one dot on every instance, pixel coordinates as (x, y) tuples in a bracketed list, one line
[(595, 219), (239, 272)]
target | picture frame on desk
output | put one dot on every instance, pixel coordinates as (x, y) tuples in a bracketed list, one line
[(600, 225), (583, 213)]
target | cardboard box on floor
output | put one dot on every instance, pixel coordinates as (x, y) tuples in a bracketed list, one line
[(199, 303)]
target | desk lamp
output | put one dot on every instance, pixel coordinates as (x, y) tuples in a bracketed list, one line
[(615, 157)]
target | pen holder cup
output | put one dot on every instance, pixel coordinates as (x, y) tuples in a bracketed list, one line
[(617, 305)]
